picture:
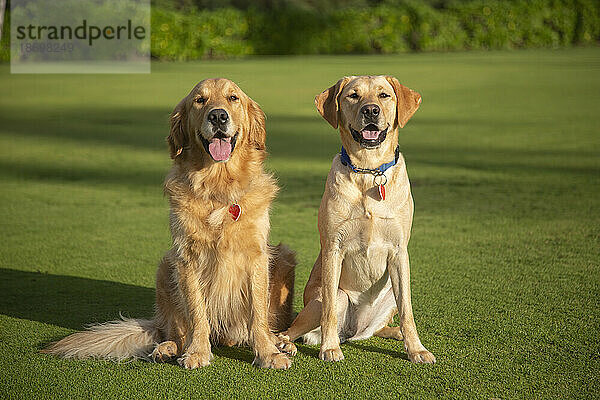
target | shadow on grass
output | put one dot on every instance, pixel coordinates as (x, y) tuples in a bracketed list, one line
[(305, 138), (244, 354), (313, 351), (374, 349), (48, 172), (146, 128), (72, 302), (513, 161), (308, 351), (140, 128)]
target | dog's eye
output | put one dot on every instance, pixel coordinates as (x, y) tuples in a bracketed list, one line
[(383, 95), (200, 100), (233, 97), (354, 95)]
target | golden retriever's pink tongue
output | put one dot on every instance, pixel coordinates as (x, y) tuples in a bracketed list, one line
[(219, 149), (370, 135)]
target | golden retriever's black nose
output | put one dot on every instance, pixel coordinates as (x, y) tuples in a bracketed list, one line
[(370, 111), (218, 116)]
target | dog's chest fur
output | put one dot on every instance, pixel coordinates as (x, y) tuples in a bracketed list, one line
[(369, 228), (221, 251)]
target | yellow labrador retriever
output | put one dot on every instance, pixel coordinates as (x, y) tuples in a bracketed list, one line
[(361, 277)]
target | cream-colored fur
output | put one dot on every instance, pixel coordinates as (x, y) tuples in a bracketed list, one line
[(115, 340), (221, 282), (361, 278)]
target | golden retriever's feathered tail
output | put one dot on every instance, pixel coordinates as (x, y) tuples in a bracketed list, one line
[(281, 279), (136, 338), (114, 340)]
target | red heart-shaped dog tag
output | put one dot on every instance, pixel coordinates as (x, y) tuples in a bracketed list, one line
[(235, 210)]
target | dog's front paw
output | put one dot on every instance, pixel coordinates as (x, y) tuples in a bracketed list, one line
[(164, 351), (421, 357), (195, 360), (334, 354), (285, 345), (275, 361)]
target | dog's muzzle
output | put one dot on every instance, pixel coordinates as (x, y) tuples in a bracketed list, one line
[(370, 136), (220, 146)]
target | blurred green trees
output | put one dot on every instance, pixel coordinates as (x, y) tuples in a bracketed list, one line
[(367, 26), (196, 29)]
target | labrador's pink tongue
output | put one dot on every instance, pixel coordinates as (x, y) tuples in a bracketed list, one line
[(370, 135), (220, 150)]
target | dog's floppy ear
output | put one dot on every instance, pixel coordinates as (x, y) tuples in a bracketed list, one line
[(256, 131), (178, 138), (328, 103), (407, 103)]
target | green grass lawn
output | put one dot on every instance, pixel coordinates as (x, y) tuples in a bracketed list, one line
[(504, 159)]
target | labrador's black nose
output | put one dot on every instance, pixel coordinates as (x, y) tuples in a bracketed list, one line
[(218, 116), (370, 111)]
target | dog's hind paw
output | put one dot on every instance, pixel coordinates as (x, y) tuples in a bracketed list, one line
[(195, 360), (285, 345), (275, 361), (164, 351)]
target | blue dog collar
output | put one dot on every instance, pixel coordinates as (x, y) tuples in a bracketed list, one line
[(379, 178), (345, 159)]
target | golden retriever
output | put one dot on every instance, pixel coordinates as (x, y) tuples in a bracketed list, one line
[(361, 277), (220, 282)]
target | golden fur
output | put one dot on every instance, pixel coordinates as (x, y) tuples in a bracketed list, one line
[(361, 277), (220, 282)]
